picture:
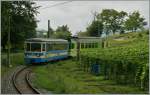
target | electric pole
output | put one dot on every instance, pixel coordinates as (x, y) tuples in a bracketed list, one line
[(48, 34), (8, 42)]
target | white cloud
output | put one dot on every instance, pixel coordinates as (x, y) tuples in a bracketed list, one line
[(77, 14)]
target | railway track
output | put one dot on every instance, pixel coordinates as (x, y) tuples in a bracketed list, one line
[(22, 82)]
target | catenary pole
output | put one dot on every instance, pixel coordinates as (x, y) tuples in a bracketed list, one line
[(48, 34), (9, 20)]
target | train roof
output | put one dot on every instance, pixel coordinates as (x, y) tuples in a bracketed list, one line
[(45, 40), (86, 39)]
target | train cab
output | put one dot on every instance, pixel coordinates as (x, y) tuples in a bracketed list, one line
[(40, 50)]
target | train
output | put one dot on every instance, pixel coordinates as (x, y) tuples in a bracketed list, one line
[(44, 50)]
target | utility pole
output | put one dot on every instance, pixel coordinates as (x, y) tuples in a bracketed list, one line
[(8, 42), (94, 14), (48, 34)]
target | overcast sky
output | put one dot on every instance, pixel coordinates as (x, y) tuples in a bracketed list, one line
[(78, 14)]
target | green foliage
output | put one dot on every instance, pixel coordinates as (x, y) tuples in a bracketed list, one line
[(41, 33), (82, 34), (62, 32), (14, 59), (19, 18), (134, 22), (95, 29), (125, 65), (112, 20)]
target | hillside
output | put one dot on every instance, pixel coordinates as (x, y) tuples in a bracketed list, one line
[(131, 38), (125, 59)]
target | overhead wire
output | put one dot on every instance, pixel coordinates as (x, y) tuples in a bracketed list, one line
[(56, 4)]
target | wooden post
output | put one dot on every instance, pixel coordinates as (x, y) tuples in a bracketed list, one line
[(78, 49), (103, 43), (69, 50)]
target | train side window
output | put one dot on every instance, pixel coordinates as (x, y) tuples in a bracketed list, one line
[(82, 45), (43, 47), (93, 45), (90, 45), (72, 45), (49, 47), (86, 45), (60, 46), (96, 45)]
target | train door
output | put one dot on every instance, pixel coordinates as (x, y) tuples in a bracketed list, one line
[(43, 49)]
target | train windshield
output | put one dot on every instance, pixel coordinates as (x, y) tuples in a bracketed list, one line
[(33, 47), (36, 47)]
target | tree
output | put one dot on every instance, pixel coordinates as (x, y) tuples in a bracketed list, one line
[(134, 22), (95, 29), (19, 17), (121, 21), (62, 32), (41, 33), (82, 34), (112, 20)]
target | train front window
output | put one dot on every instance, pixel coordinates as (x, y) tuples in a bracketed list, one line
[(36, 47)]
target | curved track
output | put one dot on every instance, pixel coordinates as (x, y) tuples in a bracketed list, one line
[(22, 83)]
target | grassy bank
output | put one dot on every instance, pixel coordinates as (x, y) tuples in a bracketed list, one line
[(15, 58), (67, 77)]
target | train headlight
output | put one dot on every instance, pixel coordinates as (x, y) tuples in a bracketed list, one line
[(26, 54), (39, 54)]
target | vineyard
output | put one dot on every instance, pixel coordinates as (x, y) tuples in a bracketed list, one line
[(125, 62), (75, 47)]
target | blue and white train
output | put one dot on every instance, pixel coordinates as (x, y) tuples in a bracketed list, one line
[(42, 50)]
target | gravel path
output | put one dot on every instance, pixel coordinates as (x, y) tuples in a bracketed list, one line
[(7, 86)]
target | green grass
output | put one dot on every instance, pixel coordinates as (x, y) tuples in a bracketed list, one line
[(67, 77), (15, 58), (128, 38)]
